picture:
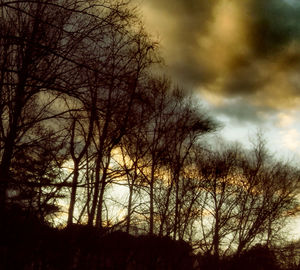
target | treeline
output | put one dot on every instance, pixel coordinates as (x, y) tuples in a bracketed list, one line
[(83, 111), (30, 245), (27, 244)]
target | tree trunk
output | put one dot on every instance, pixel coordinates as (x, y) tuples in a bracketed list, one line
[(129, 206), (101, 195), (96, 192), (9, 145), (176, 218), (73, 194), (151, 194), (177, 203), (99, 222), (4, 171), (164, 215), (187, 217), (216, 240)]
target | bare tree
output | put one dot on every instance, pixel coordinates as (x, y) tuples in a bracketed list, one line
[(187, 125), (218, 174), (133, 150), (245, 196), (129, 55), (268, 196), (34, 47)]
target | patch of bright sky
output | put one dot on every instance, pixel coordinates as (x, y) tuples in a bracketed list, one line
[(293, 229), (284, 133), (282, 141), (281, 130)]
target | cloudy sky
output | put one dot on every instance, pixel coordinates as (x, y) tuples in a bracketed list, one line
[(241, 57)]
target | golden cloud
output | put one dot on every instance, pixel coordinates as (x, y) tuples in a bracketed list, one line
[(229, 49)]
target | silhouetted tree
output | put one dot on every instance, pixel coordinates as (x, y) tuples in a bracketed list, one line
[(37, 177), (187, 125), (133, 149), (268, 195), (245, 196), (156, 138), (37, 55), (218, 179), (130, 54)]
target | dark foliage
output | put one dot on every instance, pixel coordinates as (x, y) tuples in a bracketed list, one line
[(26, 243), (258, 257)]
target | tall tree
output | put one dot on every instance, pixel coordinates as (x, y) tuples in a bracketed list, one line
[(44, 47), (130, 53), (187, 125), (34, 47)]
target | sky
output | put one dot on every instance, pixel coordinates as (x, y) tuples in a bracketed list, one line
[(241, 58)]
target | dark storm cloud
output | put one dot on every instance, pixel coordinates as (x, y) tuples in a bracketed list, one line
[(245, 79), (275, 24), (234, 48)]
